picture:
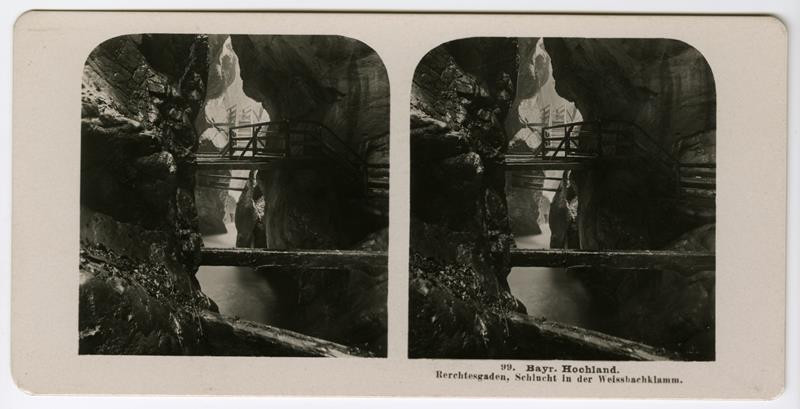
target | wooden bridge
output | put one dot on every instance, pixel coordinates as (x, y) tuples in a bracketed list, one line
[(585, 144), (370, 261), (296, 144), (377, 260), (625, 259), (549, 332)]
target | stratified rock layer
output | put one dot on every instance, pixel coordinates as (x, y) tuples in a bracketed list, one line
[(139, 232), (460, 235)]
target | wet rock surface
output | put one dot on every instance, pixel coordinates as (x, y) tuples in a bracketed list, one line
[(211, 210), (667, 88), (459, 300), (666, 307), (460, 234), (346, 305), (340, 83), (139, 228)]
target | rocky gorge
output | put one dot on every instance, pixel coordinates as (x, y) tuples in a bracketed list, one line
[(465, 98), (145, 103)]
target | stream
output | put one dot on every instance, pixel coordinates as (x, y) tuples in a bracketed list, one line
[(548, 292), (239, 291)]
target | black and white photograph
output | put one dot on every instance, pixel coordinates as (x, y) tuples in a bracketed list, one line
[(563, 200), (234, 194), (469, 205)]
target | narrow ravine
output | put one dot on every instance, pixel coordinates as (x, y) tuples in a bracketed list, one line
[(240, 291), (547, 292)]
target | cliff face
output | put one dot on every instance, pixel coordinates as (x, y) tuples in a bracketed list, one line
[(211, 209), (335, 80), (667, 88), (139, 230), (664, 86), (223, 90), (460, 235), (342, 84)]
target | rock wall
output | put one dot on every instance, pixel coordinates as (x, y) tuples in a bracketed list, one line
[(664, 307), (221, 74), (139, 229), (338, 81), (460, 234), (563, 216), (211, 210), (667, 88), (342, 84), (535, 102)]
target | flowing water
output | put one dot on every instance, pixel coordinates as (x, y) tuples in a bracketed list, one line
[(548, 292), (239, 291)]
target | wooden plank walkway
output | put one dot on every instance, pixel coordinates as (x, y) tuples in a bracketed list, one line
[(229, 164), (373, 261), (535, 162), (617, 259)]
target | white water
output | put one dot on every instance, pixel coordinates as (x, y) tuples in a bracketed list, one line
[(238, 291), (547, 292)]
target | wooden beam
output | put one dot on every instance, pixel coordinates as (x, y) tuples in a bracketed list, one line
[(702, 183), (223, 177), (258, 162), (641, 259), (593, 343), (237, 189), (515, 165), (371, 261), (698, 171), (537, 177), (704, 193), (227, 164), (235, 337), (712, 165)]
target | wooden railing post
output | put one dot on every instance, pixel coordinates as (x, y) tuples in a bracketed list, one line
[(253, 139), (544, 143), (567, 141), (231, 142)]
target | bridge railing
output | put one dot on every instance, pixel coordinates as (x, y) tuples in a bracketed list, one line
[(299, 139), (619, 138), (600, 138)]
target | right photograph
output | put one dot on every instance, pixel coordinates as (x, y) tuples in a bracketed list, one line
[(563, 200)]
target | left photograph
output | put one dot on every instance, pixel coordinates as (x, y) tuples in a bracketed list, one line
[(234, 196)]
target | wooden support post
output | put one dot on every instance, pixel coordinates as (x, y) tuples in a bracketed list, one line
[(567, 135), (231, 142), (544, 143), (256, 131)]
